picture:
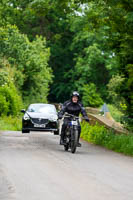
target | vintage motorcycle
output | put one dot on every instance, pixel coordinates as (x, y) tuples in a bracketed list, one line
[(71, 135)]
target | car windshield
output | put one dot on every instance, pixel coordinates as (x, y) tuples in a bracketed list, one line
[(42, 108)]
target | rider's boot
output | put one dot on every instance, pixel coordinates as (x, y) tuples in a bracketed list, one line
[(79, 144), (62, 140)]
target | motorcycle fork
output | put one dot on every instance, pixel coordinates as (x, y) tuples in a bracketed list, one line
[(67, 136), (72, 132)]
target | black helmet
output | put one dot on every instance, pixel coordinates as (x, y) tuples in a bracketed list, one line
[(75, 94)]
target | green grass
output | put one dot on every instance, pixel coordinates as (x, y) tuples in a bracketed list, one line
[(11, 123), (99, 135)]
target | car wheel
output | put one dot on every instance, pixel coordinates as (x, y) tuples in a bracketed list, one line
[(56, 132), (25, 131)]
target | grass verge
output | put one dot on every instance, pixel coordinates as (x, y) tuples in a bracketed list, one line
[(11, 123), (99, 135), (115, 113)]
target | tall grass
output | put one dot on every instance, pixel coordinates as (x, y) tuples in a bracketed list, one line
[(99, 135), (11, 123)]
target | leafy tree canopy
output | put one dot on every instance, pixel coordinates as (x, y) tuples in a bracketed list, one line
[(30, 62)]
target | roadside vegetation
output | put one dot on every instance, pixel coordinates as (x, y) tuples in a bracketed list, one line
[(115, 113), (99, 135), (11, 123), (50, 48)]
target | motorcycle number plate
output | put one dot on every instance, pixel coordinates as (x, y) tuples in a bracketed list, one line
[(75, 123)]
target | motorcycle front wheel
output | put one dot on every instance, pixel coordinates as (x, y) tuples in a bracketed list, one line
[(74, 141)]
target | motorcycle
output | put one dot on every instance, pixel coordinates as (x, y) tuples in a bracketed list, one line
[(71, 135)]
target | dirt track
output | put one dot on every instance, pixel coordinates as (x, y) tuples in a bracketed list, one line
[(34, 167)]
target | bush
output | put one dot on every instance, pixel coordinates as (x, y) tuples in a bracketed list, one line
[(101, 136), (10, 101), (114, 86), (90, 96), (11, 123), (128, 122)]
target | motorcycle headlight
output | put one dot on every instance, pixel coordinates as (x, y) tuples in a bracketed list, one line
[(26, 117)]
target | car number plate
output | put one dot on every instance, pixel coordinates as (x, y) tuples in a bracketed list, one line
[(75, 123), (40, 125)]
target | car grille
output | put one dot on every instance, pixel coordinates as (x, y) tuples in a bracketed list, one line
[(39, 121)]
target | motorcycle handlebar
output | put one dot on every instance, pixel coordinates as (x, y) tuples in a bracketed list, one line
[(70, 115)]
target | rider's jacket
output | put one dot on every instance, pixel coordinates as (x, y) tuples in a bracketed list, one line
[(73, 108)]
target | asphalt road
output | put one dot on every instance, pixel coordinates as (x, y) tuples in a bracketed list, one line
[(35, 167)]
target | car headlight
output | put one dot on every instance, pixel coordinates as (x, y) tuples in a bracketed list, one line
[(26, 117), (53, 118)]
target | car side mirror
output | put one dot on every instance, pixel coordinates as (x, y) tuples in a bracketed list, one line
[(23, 110)]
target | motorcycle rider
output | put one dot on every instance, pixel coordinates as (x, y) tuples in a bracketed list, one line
[(74, 107)]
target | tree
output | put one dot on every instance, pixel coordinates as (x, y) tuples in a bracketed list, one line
[(90, 96), (10, 98), (90, 42), (30, 62)]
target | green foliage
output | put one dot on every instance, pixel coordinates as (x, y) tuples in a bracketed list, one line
[(101, 136), (114, 19), (90, 97), (10, 101), (48, 19), (123, 102), (127, 121), (11, 123), (129, 86), (115, 112), (30, 62), (78, 53), (90, 42), (3, 77), (91, 64), (114, 86)]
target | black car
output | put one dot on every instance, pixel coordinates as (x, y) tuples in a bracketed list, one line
[(40, 117)]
